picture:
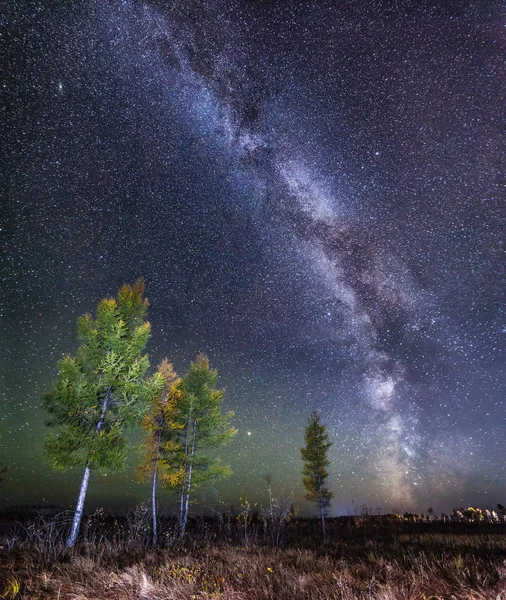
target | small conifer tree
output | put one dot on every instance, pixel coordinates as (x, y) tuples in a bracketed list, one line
[(315, 461), (160, 440), (101, 391)]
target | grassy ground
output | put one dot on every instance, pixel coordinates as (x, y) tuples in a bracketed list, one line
[(375, 563)]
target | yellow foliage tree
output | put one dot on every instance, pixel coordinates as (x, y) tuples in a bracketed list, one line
[(159, 443)]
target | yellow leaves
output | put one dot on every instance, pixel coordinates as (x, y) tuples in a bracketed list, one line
[(174, 394), (130, 295), (148, 424), (108, 304), (188, 574), (270, 569), (173, 478), (185, 407), (171, 446), (201, 362), (166, 370), (143, 329)]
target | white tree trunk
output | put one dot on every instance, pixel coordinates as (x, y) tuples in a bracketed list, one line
[(322, 512), (78, 514), (153, 490), (153, 504), (188, 487), (183, 485)]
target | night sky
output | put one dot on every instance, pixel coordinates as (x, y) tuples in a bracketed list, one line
[(314, 193)]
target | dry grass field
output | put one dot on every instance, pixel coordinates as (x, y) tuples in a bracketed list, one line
[(363, 558)]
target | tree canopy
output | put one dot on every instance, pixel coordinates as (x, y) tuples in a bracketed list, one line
[(198, 425), (102, 390), (315, 462)]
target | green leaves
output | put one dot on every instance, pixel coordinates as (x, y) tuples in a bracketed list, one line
[(102, 452), (132, 306), (66, 450), (109, 357), (202, 402), (103, 390), (160, 445), (107, 450), (315, 461), (183, 403)]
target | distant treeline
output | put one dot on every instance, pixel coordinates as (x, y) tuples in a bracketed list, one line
[(31, 511)]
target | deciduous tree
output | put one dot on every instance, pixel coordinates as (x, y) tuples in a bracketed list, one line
[(199, 424), (101, 390), (160, 441)]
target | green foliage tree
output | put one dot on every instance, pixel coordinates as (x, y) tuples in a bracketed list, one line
[(315, 461), (198, 424), (101, 391), (160, 439)]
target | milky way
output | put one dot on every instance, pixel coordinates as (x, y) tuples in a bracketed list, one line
[(313, 195)]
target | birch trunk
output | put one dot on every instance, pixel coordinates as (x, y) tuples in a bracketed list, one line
[(78, 514), (322, 512), (183, 485), (321, 504), (188, 488), (153, 503)]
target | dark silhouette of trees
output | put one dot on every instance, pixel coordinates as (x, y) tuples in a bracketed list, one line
[(315, 462)]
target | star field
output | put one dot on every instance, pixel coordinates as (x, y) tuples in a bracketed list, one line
[(314, 194)]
